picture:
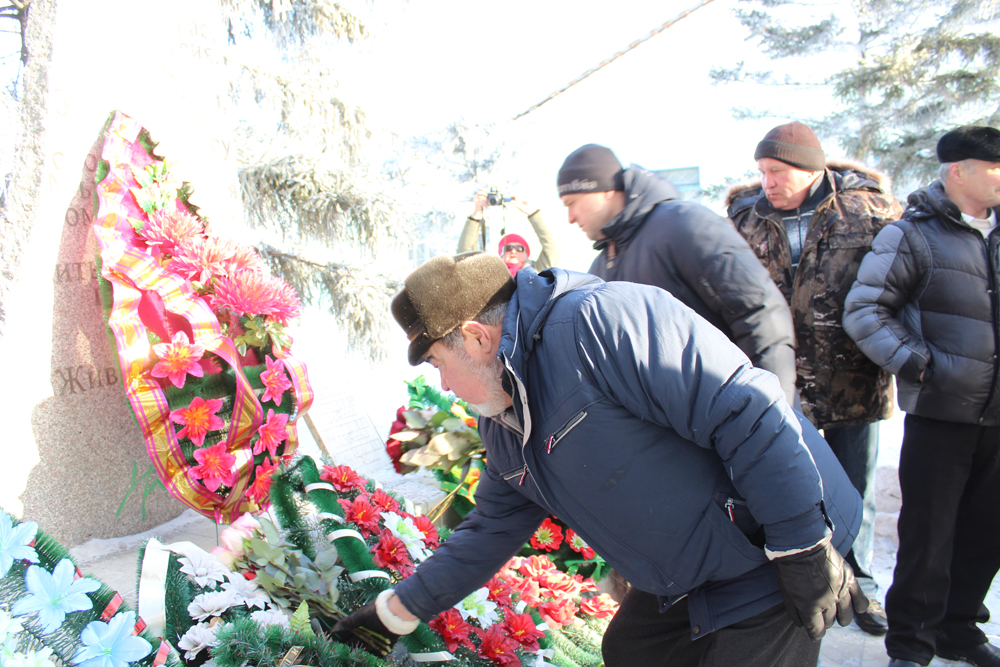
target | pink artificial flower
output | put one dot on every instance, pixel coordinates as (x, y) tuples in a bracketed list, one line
[(167, 227), (177, 359), (276, 383), (215, 466), (256, 293), (261, 487), (343, 478), (533, 566), (202, 258), (198, 418), (272, 433)]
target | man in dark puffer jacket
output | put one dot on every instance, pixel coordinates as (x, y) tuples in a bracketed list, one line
[(616, 408), (647, 235), (925, 307)]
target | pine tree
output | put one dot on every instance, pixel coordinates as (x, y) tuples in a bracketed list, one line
[(304, 175), (903, 72)]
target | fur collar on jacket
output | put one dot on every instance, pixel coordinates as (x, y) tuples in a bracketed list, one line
[(864, 173)]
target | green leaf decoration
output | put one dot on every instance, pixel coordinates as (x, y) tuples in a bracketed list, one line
[(300, 621)]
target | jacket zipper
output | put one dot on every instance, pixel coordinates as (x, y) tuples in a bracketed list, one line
[(561, 433), (991, 270), (730, 503)]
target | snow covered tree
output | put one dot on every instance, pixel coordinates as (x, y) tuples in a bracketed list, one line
[(902, 71), (325, 210)]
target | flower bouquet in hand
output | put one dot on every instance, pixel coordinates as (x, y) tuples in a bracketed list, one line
[(199, 325)]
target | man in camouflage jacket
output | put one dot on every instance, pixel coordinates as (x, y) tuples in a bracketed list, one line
[(810, 223)]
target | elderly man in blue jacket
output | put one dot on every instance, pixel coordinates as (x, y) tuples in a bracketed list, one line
[(618, 409)]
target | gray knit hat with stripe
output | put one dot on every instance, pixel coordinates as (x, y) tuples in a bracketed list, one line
[(793, 143)]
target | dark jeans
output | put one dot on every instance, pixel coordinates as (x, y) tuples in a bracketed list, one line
[(856, 447), (639, 635), (949, 537)]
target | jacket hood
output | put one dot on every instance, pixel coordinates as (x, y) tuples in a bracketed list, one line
[(932, 202), (530, 305), (847, 174), (643, 191)]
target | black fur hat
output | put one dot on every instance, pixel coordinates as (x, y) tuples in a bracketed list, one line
[(969, 142)]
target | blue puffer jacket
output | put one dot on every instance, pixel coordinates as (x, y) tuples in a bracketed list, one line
[(641, 426)]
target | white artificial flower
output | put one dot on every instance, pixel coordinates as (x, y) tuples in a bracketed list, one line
[(198, 637), (40, 658), (479, 608), (204, 568), (408, 533), (211, 604), (9, 627), (245, 591), (270, 617)]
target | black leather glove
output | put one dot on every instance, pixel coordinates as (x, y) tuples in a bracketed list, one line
[(367, 626), (818, 586), (366, 617)]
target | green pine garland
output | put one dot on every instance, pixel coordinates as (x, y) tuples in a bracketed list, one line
[(244, 642)]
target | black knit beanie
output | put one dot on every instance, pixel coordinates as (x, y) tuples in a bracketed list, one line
[(590, 168), (969, 142), (793, 143)]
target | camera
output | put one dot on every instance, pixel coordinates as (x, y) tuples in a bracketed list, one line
[(494, 198)]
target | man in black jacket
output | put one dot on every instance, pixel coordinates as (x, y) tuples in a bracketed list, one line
[(925, 308), (647, 235)]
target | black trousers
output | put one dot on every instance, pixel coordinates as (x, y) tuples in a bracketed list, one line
[(639, 635), (949, 537)]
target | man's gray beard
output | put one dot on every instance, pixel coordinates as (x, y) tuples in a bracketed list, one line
[(490, 374)]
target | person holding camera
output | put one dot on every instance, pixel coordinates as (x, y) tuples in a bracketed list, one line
[(513, 248)]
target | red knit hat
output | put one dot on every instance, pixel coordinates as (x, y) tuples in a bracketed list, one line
[(513, 238)]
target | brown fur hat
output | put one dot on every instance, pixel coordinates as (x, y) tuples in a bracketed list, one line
[(446, 291)]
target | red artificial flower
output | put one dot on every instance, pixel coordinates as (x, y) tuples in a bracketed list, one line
[(177, 359), (362, 513), (577, 544), (343, 478), (261, 486), (198, 418), (276, 383), (530, 592), (400, 423), (215, 466), (547, 537), (560, 583), (272, 432), (599, 606), (430, 531), (499, 591), (521, 628), (453, 629), (382, 499), (558, 612), (586, 585), (532, 566), (391, 552), (498, 647)]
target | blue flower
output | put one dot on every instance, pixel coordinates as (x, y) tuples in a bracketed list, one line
[(54, 595), (14, 542), (111, 644)]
